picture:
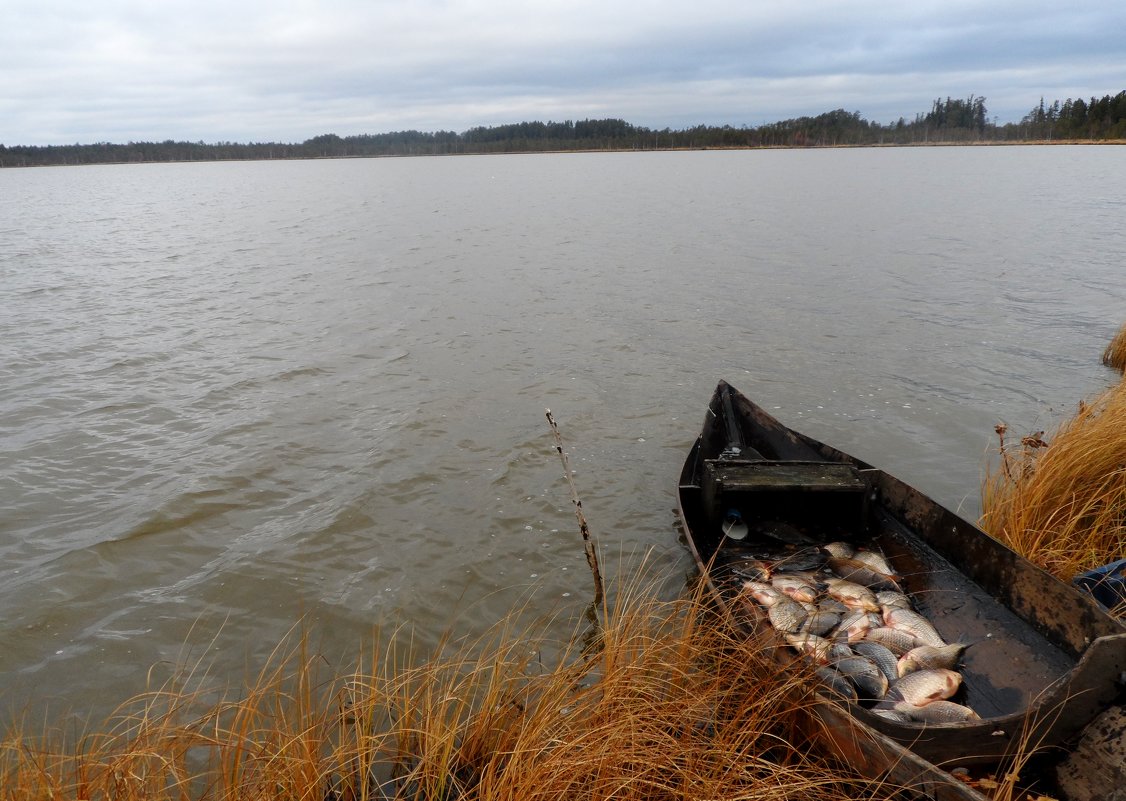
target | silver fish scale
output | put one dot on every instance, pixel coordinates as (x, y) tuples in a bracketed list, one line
[(914, 624), (927, 657), (892, 599), (881, 656), (924, 686), (896, 641), (817, 648), (867, 677), (939, 711), (796, 588), (841, 550), (820, 623), (852, 594), (828, 604), (893, 714), (786, 615), (837, 683), (874, 560)]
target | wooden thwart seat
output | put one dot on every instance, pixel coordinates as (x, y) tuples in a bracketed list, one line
[(765, 476)]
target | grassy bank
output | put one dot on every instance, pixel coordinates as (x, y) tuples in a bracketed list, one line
[(1115, 354), (669, 702), (1060, 499)]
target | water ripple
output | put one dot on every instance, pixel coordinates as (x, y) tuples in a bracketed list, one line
[(233, 395)]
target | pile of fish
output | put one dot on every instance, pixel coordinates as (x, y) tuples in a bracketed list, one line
[(843, 608)]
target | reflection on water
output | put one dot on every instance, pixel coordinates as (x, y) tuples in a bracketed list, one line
[(235, 394)]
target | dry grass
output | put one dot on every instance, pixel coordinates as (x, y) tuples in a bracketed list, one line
[(1062, 503), (1115, 353), (671, 703)]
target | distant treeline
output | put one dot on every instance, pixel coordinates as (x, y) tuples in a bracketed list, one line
[(952, 120)]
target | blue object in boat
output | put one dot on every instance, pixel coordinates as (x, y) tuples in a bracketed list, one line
[(1106, 584)]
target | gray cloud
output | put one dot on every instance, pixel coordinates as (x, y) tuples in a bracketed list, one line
[(287, 70)]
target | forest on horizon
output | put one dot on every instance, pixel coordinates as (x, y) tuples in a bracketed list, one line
[(950, 121)]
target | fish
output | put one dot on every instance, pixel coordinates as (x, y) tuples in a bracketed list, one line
[(896, 641), (855, 625), (927, 657), (837, 683), (786, 615), (828, 604), (861, 573), (797, 587), (841, 550), (838, 649), (923, 686), (914, 624), (852, 594), (815, 647), (881, 656), (939, 711), (749, 575), (893, 714), (875, 560), (890, 599), (764, 594), (748, 568), (867, 677), (820, 623)]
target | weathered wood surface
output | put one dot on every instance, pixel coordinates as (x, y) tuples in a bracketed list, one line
[(1096, 770), (785, 476)]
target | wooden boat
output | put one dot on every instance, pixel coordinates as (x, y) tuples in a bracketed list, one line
[(1045, 660)]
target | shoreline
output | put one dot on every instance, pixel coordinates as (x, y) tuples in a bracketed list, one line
[(557, 151)]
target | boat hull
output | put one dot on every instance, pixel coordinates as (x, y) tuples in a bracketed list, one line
[(1044, 659)]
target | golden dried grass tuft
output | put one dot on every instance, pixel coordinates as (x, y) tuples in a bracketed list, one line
[(673, 703), (1115, 354), (1062, 502)]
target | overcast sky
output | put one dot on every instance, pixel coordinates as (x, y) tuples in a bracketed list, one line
[(287, 70)]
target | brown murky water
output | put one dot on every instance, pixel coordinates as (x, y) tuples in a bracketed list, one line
[(232, 395)]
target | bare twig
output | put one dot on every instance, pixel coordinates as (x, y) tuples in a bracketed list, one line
[(1001, 428), (584, 529)]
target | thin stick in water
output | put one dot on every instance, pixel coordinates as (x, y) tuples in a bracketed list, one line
[(584, 529)]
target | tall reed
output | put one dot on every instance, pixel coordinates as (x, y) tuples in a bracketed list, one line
[(1062, 502)]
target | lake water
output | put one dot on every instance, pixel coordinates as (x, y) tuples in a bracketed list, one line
[(236, 395)]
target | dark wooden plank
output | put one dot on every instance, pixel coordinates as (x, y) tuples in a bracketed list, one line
[(786, 476)]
